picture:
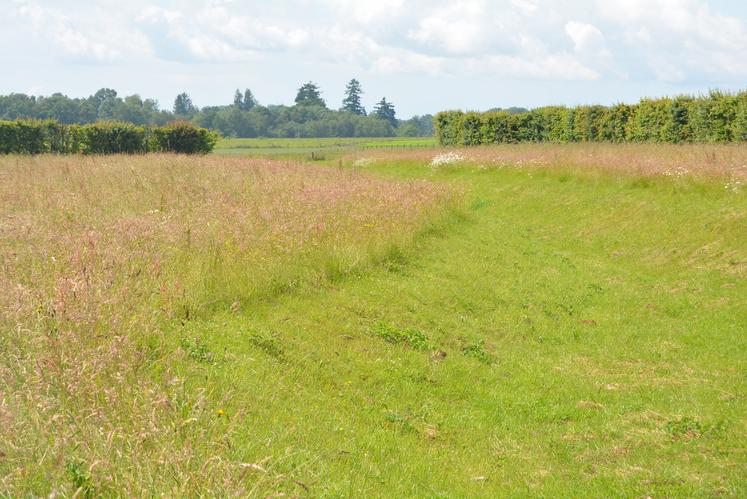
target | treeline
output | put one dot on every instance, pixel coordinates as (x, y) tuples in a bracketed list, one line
[(306, 121), (244, 117), (717, 117), (104, 105), (105, 137)]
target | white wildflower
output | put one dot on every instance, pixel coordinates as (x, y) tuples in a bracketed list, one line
[(361, 162), (677, 172), (734, 185), (446, 159)]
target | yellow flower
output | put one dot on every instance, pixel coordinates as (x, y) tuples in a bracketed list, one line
[(220, 412)]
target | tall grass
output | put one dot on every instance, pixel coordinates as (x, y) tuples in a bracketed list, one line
[(720, 161), (100, 255)]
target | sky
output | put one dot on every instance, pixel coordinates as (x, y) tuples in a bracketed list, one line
[(423, 55)]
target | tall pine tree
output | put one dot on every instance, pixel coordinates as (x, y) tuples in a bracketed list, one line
[(249, 100), (352, 101), (385, 111), (245, 101), (310, 95)]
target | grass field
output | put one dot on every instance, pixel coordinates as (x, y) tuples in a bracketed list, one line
[(317, 149), (531, 321)]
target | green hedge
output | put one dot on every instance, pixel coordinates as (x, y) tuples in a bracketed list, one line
[(105, 137), (183, 137), (717, 117), (113, 137)]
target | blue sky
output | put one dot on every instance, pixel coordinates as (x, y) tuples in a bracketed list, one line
[(424, 56)]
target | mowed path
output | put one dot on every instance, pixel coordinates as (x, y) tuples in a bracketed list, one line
[(573, 335)]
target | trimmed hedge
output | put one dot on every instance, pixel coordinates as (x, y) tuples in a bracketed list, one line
[(718, 117), (113, 137), (183, 137), (104, 137)]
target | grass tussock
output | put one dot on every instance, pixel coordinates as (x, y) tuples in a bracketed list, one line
[(100, 255)]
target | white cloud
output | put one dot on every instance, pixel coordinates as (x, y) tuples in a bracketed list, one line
[(407, 63), (592, 38), (657, 42), (367, 12), (551, 67), (679, 39), (526, 7), (586, 37), (457, 29), (72, 42)]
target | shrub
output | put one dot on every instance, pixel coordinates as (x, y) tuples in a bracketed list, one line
[(553, 123), (183, 137), (494, 127), (447, 125), (677, 128), (8, 137), (523, 128), (739, 126), (30, 137), (723, 114), (471, 129), (614, 126), (113, 137), (649, 122)]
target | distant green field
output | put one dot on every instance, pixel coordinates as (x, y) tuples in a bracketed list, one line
[(322, 146)]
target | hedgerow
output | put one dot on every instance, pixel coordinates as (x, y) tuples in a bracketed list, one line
[(104, 137), (183, 137), (718, 117)]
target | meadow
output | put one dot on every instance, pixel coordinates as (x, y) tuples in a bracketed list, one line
[(515, 320)]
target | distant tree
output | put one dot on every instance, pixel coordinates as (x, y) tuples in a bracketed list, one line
[(408, 129), (133, 110), (249, 101), (385, 111), (151, 105), (102, 95), (15, 106), (371, 126), (352, 101), (310, 95), (58, 107), (425, 125), (509, 110), (417, 126), (105, 100), (183, 105), (107, 110), (239, 124), (245, 101)]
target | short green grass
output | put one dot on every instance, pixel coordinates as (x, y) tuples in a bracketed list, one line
[(577, 335)]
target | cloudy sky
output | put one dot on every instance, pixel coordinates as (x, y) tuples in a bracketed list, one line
[(424, 55)]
